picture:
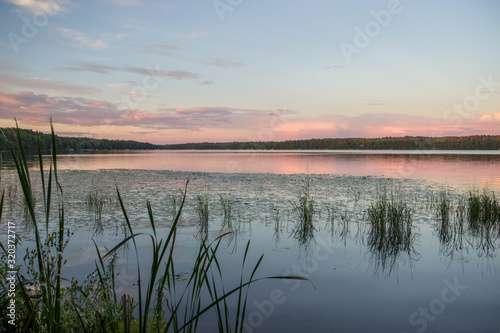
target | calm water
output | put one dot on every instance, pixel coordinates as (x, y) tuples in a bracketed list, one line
[(451, 286), (453, 167)]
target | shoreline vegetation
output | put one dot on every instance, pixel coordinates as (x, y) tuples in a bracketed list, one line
[(46, 300), (77, 144)]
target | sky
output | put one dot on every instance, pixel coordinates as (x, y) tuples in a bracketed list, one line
[(240, 70)]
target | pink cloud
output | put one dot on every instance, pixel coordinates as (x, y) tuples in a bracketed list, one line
[(205, 123), (53, 86), (34, 108), (385, 124), (104, 69)]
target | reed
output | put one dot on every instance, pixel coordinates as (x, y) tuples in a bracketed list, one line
[(391, 226), (202, 210), (227, 210), (277, 223), (483, 210), (443, 208), (47, 302), (390, 233), (304, 209), (42, 313), (173, 201), (96, 201)]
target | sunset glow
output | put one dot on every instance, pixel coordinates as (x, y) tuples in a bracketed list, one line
[(174, 72)]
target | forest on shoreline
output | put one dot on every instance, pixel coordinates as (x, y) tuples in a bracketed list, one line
[(77, 144)]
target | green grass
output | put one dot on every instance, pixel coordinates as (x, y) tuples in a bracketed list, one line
[(202, 210), (304, 209), (391, 231), (483, 210), (473, 220), (48, 302), (227, 211), (443, 208), (173, 201), (277, 223), (96, 201)]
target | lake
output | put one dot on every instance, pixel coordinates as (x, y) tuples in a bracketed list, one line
[(435, 284), (453, 167)]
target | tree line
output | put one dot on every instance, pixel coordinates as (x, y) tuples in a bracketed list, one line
[(476, 142), (29, 137)]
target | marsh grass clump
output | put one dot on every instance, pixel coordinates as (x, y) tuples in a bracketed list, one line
[(227, 210), (483, 210), (443, 208), (96, 201), (93, 304), (304, 209), (391, 233), (277, 222), (173, 201), (202, 209), (391, 226), (343, 224), (331, 218), (456, 241)]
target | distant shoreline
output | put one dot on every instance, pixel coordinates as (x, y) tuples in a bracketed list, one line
[(407, 143)]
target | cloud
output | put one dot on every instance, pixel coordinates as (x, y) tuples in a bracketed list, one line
[(44, 84), (222, 63), (87, 67), (378, 102), (81, 39), (207, 82), (386, 124), (36, 6), (127, 3), (35, 109), (179, 74), (140, 3), (166, 50), (116, 85), (112, 36), (490, 117), (192, 36), (104, 69)]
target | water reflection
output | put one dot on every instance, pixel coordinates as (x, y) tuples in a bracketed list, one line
[(258, 206), (453, 167)]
